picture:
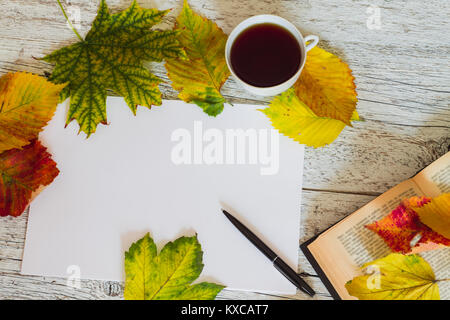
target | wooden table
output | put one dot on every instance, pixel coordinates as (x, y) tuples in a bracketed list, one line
[(402, 72)]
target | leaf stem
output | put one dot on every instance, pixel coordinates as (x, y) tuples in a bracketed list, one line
[(68, 20)]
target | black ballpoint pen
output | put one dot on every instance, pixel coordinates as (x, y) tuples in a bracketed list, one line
[(278, 263)]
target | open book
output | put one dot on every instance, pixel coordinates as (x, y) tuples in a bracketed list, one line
[(339, 252)]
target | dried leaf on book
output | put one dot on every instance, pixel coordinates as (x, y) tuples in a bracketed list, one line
[(396, 277), (111, 57), (402, 229), (200, 77), (167, 275), (27, 103), (22, 172), (436, 214), (295, 119)]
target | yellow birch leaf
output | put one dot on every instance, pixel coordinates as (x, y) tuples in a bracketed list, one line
[(436, 214), (27, 103), (396, 277), (200, 77), (296, 120), (327, 86)]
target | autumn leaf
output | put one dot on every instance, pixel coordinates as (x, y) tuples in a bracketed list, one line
[(111, 57), (296, 120), (396, 277), (436, 215), (327, 86), (23, 171), (200, 77), (167, 276), (402, 226), (27, 103)]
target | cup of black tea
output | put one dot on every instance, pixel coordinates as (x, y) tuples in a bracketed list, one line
[(266, 54)]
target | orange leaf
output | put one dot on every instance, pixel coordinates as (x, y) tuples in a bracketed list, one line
[(23, 171), (403, 226), (327, 86), (27, 103)]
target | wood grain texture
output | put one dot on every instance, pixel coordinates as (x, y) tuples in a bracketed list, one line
[(403, 82)]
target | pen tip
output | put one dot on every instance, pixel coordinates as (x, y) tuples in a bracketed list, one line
[(226, 213)]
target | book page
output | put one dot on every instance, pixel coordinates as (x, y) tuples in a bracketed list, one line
[(435, 179), (341, 250)]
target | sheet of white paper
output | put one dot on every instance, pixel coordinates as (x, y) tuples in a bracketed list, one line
[(124, 181)]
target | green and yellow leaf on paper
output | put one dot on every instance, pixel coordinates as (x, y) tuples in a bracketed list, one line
[(111, 57), (396, 277), (327, 86), (200, 77), (436, 214), (27, 103), (167, 276), (295, 119)]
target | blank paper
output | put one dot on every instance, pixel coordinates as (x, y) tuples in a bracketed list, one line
[(123, 182)]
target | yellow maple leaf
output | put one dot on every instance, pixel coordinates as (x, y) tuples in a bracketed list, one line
[(200, 77), (327, 86), (27, 103), (296, 120), (436, 214), (396, 277)]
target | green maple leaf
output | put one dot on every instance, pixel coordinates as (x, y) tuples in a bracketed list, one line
[(167, 276), (111, 57)]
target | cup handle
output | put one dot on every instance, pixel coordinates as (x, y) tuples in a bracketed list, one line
[(314, 41)]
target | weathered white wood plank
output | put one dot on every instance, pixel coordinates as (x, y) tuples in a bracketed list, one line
[(402, 73)]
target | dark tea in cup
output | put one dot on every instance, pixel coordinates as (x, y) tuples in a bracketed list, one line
[(265, 55)]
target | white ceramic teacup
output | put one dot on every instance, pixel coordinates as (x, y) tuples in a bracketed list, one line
[(268, 18)]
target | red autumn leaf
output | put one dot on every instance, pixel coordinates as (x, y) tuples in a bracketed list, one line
[(23, 171), (402, 226)]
